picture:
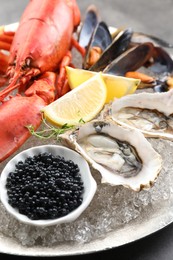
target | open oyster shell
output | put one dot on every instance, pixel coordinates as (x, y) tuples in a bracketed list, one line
[(151, 113), (122, 156)]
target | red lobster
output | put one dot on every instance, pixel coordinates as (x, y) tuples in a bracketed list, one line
[(40, 47)]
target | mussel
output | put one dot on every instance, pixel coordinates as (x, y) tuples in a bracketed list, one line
[(162, 62), (117, 47), (101, 48), (127, 51), (130, 60), (88, 26), (100, 40)]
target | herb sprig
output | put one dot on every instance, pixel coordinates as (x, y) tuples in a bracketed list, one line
[(50, 131)]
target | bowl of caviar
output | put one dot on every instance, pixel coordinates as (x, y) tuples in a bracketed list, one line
[(47, 185)]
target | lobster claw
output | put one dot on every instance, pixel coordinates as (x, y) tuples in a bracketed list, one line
[(21, 111), (15, 114)]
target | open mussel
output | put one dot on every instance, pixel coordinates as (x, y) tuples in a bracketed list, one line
[(161, 86), (127, 53), (130, 60), (100, 40), (162, 62), (162, 68), (118, 46), (88, 26), (157, 71)]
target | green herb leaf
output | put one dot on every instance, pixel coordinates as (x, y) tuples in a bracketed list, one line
[(50, 131)]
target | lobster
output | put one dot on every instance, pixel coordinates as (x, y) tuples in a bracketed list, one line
[(40, 50)]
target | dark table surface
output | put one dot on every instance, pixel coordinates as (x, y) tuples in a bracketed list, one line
[(149, 16)]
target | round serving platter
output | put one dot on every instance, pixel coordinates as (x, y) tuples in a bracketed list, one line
[(151, 220), (133, 231), (154, 218)]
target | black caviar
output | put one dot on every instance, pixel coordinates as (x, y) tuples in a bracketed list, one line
[(45, 186)]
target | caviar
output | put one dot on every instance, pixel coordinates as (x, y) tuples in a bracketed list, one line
[(45, 186)]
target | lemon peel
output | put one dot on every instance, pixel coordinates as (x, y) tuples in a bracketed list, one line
[(83, 102), (117, 86)]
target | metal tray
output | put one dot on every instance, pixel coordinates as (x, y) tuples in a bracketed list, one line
[(129, 233), (150, 220)]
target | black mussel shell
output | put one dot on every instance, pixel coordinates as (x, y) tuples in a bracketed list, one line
[(88, 26), (101, 38), (131, 60), (161, 86), (117, 47), (162, 61)]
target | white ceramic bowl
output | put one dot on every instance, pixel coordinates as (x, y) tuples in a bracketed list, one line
[(88, 181)]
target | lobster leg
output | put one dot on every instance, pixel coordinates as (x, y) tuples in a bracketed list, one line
[(3, 63), (6, 39), (62, 73), (3, 68), (19, 112), (80, 49), (62, 84)]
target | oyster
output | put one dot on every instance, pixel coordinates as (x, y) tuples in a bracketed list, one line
[(151, 113), (122, 156)]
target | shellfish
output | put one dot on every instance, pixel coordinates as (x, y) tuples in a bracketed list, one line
[(151, 113), (122, 156)]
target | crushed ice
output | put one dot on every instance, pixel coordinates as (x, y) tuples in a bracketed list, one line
[(111, 208)]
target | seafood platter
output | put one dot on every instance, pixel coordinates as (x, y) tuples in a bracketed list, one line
[(87, 136)]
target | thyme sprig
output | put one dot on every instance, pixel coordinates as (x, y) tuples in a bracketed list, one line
[(50, 131)]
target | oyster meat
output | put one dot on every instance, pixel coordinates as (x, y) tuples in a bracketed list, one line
[(151, 113), (122, 156)]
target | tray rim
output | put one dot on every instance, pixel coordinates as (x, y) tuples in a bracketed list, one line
[(158, 220)]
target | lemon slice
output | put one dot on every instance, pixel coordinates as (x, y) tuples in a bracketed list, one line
[(81, 103), (117, 86)]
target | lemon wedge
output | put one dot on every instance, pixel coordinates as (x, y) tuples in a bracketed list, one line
[(82, 103), (117, 86)]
